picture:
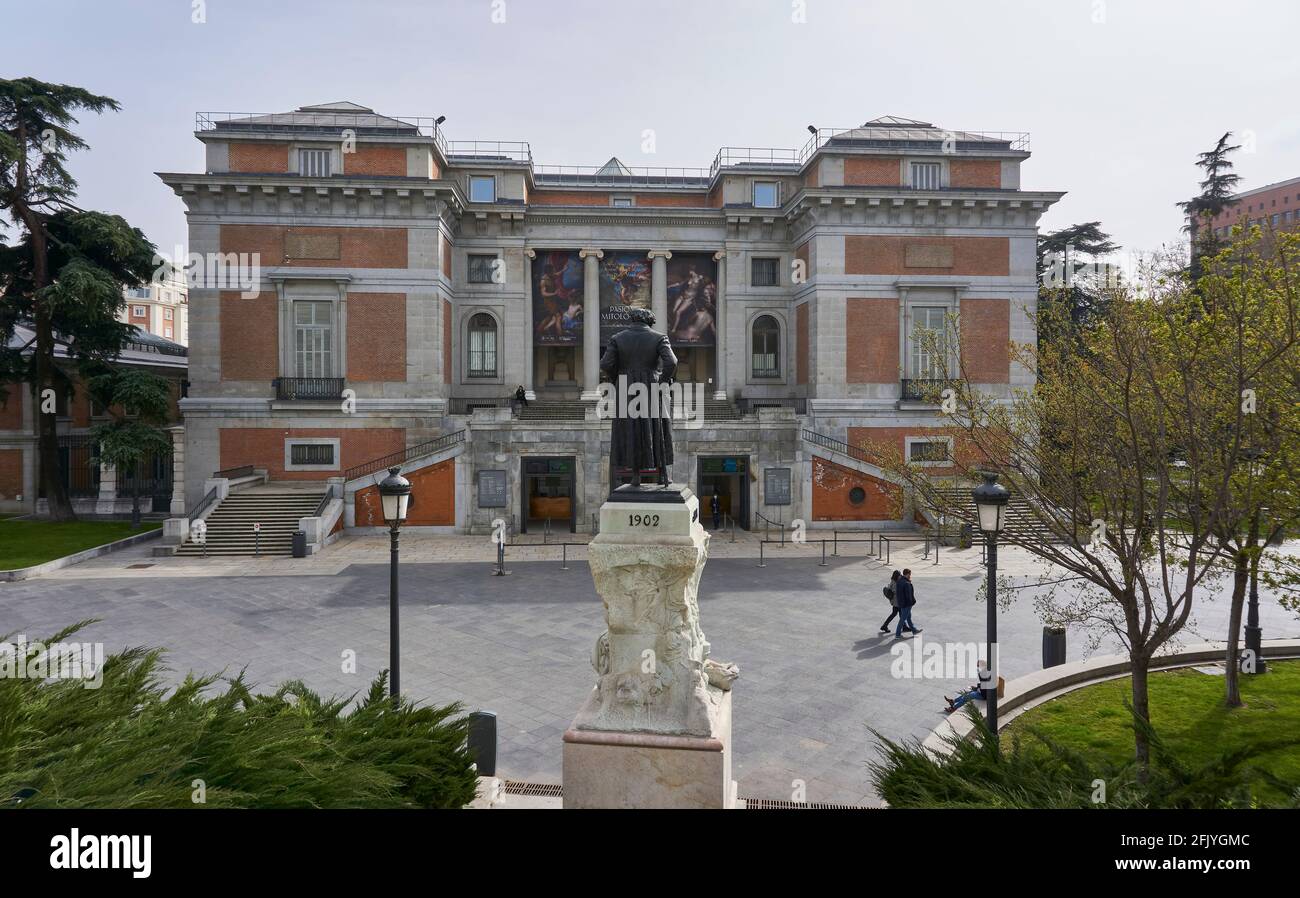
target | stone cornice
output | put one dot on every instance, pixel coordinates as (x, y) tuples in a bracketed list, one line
[(241, 192)]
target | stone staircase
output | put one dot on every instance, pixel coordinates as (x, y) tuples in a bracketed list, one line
[(277, 507), (1020, 518)]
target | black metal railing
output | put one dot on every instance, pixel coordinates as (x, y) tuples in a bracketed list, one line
[(459, 405), (203, 505), (834, 445), (308, 388), (446, 441), (78, 465), (151, 478), (925, 389)]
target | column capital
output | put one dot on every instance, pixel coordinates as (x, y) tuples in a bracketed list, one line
[(530, 252), (720, 256), (591, 253), (659, 253)]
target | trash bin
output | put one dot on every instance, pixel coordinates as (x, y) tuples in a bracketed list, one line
[(482, 741), (1053, 646), (300, 544)]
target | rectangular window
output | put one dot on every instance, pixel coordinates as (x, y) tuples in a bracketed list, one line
[(480, 269), (167, 332), (313, 339), (482, 189), (927, 450), (314, 163), (311, 453), (925, 175), (929, 360), (765, 272), (167, 314), (767, 194), (621, 202), (139, 311)]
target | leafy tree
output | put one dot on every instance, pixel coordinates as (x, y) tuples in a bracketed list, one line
[(137, 403), (64, 276), (1082, 291), (1217, 188)]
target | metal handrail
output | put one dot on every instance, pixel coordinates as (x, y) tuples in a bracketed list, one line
[(202, 505), (429, 447), (323, 123), (835, 445)]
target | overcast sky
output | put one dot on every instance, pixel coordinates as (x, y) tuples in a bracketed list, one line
[(1118, 96)]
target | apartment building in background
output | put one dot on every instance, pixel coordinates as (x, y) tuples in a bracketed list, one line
[(408, 285), (160, 307), (1273, 206)]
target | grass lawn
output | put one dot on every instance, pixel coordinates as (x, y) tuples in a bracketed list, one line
[(25, 543), (1188, 713)]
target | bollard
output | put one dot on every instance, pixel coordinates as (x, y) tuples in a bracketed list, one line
[(823, 562), (783, 536), (564, 560), (501, 560), (481, 742), (761, 563), (835, 549)]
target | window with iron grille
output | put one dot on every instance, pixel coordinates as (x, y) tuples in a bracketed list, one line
[(925, 175), (314, 163), (480, 269), (765, 272), (482, 346), (311, 453), (928, 450), (766, 356)]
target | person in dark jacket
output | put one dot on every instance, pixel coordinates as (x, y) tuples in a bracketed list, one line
[(715, 506), (905, 595), (643, 356), (891, 593)]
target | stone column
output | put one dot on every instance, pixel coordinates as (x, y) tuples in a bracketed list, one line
[(720, 326), (178, 470), (659, 287), (106, 502), (529, 362), (591, 323)]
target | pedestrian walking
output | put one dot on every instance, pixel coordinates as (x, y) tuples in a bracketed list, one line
[(906, 598), (891, 593), (715, 506)]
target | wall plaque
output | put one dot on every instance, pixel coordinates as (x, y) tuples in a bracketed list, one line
[(492, 489), (776, 486)]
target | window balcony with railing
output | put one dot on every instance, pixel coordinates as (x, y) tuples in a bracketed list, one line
[(928, 389), (308, 389)]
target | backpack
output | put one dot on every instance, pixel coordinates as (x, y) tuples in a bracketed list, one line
[(889, 594)]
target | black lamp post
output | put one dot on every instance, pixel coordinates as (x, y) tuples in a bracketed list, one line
[(395, 495), (1254, 632), (991, 502)]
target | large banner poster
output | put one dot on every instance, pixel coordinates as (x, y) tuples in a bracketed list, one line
[(624, 284), (557, 298), (692, 300)]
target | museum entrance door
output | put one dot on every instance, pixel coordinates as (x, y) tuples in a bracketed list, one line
[(729, 476), (548, 494)]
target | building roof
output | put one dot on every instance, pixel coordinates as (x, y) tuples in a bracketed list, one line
[(896, 129), (324, 116), (143, 349)]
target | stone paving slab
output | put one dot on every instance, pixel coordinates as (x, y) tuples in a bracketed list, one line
[(815, 673)]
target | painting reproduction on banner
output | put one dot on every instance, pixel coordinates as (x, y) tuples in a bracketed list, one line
[(557, 298)]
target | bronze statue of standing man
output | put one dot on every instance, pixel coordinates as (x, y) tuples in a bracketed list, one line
[(642, 437)]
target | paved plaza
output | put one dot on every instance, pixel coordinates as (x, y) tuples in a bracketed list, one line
[(815, 673)]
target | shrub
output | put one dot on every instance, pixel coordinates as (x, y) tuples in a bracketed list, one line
[(131, 744)]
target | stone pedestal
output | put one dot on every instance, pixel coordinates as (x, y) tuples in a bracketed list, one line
[(656, 729)]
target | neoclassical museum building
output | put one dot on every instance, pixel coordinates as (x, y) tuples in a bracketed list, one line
[(444, 304)]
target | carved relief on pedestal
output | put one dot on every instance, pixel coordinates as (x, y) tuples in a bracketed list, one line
[(652, 662)]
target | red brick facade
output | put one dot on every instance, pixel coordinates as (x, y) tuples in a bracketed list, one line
[(250, 337), (11, 473), (974, 173), (843, 494), (986, 340), (433, 499), (871, 341), (376, 337), (375, 160), (981, 256), (259, 157), (11, 407), (872, 171), (318, 247)]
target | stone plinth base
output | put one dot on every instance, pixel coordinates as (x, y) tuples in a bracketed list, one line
[(604, 769)]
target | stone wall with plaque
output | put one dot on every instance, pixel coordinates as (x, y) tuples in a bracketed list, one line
[(492, 489)]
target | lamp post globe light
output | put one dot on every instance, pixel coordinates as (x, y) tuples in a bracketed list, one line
[(395, 497), (991, 500)]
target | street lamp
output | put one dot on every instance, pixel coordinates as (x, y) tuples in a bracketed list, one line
[(394, 495), (1254, 632), (991, 504)]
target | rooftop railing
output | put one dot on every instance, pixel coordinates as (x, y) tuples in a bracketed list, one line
[(640, 176), (499, 150), (775, 157), (323, 123), (904, 138)]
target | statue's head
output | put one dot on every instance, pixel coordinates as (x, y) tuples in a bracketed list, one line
[(642, 316)]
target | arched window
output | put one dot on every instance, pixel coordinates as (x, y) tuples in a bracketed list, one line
[(482, 346), (766, 356)]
